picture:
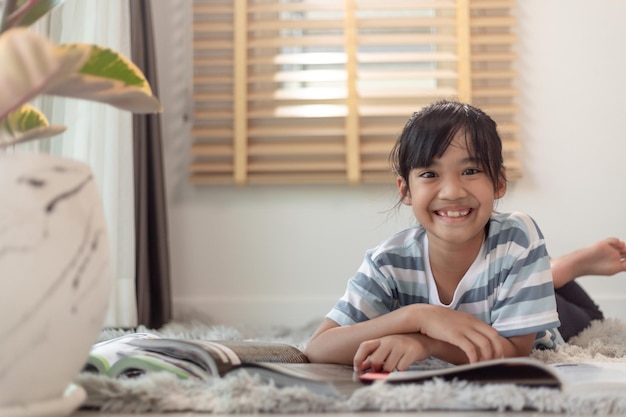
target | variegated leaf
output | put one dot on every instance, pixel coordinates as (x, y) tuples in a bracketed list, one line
[(24, 124), (111, 78), (31, 65), (29, 11)]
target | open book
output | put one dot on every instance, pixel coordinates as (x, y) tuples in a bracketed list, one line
[(138, 353), (135, 354), (569, 377)]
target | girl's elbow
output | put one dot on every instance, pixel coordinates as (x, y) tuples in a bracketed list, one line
[(316, 354), (321, 351), (312, 354)]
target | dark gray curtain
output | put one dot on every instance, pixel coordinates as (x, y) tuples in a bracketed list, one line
[(154, 304)]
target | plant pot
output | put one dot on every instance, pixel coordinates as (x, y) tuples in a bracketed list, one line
[(54, 275)]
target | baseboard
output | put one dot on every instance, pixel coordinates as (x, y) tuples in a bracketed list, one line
[(250, 311), (612, 306), (295, 312)]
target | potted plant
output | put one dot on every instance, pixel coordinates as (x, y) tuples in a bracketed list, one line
[(54, 255)]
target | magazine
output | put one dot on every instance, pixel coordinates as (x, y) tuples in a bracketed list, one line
[(570, 377), (136, 354)]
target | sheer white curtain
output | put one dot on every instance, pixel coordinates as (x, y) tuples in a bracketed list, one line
[(101, 136)]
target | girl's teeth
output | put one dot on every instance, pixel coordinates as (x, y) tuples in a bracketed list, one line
[(455, 213)]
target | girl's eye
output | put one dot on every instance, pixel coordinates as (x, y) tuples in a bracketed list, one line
[(471, 171), (427, 174)]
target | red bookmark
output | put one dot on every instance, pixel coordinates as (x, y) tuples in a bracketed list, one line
[(373, 376)]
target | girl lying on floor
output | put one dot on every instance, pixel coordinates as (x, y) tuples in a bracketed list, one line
[(468, 283)]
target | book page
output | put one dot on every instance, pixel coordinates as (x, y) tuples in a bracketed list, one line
[(592, 376), (322, 378), (521, 371), (105, 354), (220, 352)]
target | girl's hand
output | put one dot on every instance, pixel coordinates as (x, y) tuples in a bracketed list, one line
[(478, 340), (391, 352)]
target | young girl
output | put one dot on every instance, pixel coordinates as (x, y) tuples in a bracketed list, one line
[(467, 284)]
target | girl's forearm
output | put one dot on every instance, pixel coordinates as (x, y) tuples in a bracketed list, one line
[(338, 344)]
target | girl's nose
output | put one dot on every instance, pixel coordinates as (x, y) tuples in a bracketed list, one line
[(452, 189)]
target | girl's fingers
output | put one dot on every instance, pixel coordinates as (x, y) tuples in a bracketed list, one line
[(404, 362), (468, 348), (491, 344), (362, 358), (379, 358), (391, 361), (482, 343)]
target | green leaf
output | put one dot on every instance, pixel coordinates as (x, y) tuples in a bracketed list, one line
[(24, 124), (26, 117), (108, 77), (39, 9), (106, 63), (31, 65)]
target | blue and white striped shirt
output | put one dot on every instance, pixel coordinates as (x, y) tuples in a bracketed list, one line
[(509, 285)]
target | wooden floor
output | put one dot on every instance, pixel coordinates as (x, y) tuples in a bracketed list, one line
[(375, 414)]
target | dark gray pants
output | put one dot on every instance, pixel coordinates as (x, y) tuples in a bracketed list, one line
[(576, 309)]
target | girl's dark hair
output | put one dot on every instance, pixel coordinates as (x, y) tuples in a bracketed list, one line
[(429, 132)]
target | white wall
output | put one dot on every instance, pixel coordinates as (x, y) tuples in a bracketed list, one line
[(282, 254)]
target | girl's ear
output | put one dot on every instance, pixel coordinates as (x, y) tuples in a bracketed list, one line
[(501, 190), (403, 189)]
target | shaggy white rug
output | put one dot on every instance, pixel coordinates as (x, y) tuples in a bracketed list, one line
[(604, 341)]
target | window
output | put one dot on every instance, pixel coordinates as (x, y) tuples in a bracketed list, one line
[(291, 91)]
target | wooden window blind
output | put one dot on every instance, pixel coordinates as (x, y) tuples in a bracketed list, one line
[(292, 91)]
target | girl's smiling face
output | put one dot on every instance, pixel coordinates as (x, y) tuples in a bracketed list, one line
[(453, 197)]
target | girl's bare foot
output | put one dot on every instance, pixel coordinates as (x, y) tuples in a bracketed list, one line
[(605, 257)]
